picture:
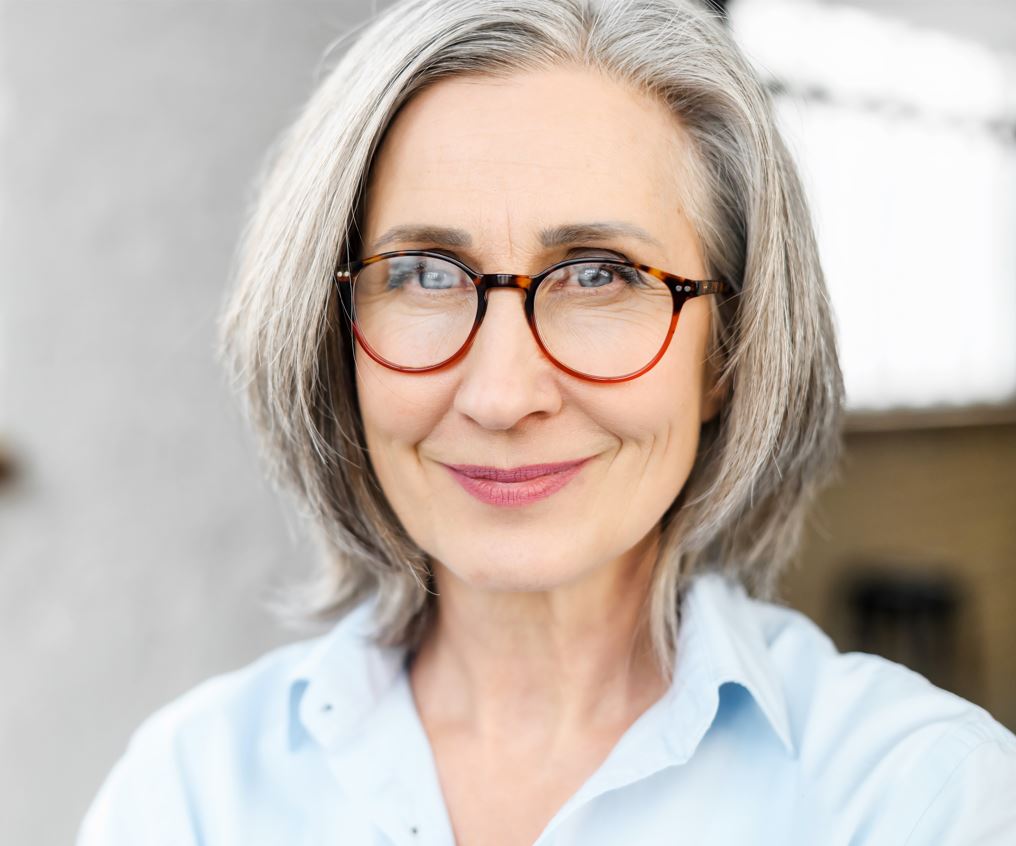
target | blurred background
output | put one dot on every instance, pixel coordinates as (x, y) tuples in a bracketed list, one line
[(137, 538)]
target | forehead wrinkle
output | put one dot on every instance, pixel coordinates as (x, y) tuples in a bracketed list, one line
[(508, 224)]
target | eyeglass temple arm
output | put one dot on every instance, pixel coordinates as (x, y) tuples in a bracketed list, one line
[(711, 286)]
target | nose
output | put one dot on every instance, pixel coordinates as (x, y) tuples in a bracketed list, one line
[(505, 377)]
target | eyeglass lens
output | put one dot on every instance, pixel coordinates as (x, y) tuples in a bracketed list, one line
[(598, 318)]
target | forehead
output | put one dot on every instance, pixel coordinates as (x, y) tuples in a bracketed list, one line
[(504, 158)]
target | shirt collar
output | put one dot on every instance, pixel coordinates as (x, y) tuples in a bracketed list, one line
[(339, 681), (721, 641), (343, 676)]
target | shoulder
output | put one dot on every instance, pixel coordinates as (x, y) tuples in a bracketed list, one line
[(880, 742), (236, 702), (227, 709), (828, 690), (225, 728)]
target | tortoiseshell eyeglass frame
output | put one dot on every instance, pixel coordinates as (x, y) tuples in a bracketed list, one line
[(681, 290)]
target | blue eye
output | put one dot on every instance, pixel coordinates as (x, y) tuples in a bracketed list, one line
[(601, 275), (430, 274)]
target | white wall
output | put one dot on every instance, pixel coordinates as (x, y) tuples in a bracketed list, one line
[(138, 540), (990, 22)]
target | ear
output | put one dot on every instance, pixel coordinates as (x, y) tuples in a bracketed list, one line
[(714, 395)]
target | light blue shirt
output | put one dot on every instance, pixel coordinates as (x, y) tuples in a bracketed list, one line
[(768, 735)]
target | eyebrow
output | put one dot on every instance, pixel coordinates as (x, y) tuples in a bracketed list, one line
[(552, 236)]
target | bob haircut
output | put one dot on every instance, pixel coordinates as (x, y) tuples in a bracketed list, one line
[(288, 349)]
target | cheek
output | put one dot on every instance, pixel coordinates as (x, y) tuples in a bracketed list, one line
[(658, 434), (656, 420), (398, 409), (652, 412)]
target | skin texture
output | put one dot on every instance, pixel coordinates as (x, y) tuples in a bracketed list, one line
[(536, 664)]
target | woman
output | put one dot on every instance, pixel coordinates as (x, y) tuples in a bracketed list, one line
[(551, 514)]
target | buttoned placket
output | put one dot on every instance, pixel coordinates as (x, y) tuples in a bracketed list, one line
[(383, 764)]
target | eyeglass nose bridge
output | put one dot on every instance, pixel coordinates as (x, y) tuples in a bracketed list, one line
[(506, 280), (487, 282)]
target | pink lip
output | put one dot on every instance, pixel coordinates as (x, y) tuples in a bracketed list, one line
[(517, 485)]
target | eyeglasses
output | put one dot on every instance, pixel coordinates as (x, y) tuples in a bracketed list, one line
[(599, 319)]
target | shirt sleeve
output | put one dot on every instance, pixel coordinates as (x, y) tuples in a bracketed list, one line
[(976, 805), (144, 798)]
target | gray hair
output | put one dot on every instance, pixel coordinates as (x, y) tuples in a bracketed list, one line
[(288, 350)]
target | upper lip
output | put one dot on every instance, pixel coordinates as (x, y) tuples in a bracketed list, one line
[(514, 474)]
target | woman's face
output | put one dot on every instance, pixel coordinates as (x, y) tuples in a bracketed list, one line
[(502, 160)]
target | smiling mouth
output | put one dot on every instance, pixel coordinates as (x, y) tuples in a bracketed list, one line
[(514, 474), (515, 486)]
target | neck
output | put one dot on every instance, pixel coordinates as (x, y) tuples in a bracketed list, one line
[(563, 660)]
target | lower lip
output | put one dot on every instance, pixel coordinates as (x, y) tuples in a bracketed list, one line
[(509, 494)]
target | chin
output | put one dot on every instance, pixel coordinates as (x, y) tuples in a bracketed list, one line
[(515, 573)]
